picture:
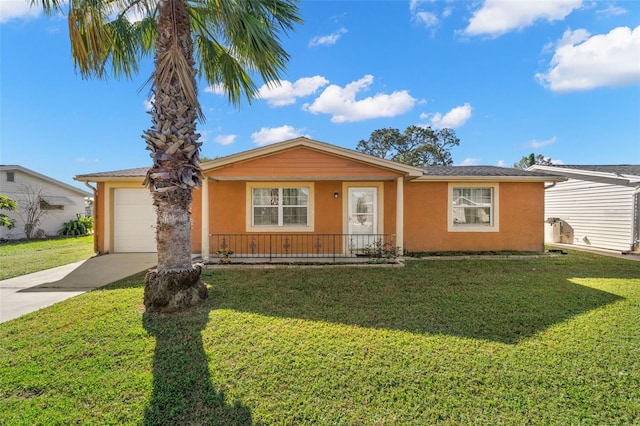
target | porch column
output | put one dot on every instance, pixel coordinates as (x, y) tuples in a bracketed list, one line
[(205, 218), (400, 212)]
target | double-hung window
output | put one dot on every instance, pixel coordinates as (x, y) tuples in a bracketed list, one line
[(280, 208), (473, 208)]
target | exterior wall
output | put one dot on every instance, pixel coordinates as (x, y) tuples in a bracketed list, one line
[(327, 173), (228, 209), (104, 225), (600, 214), (26, 185), (302, 163), (520, 217), (196, 221)]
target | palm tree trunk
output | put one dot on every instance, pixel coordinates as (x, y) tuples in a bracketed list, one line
[(174, 146)]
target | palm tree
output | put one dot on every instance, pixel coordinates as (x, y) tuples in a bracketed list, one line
[(231, 39)]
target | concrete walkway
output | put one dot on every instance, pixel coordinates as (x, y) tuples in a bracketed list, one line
[(28, 293)]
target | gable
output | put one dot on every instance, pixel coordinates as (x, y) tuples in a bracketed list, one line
[(28, 180), (301, 162)]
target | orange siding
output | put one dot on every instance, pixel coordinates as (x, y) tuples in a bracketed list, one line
[(196, 221), (521, 220), (301, 162), (389, 208), (228, 210)]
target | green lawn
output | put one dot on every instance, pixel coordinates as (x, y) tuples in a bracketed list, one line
[(25, 257), (525, 341)]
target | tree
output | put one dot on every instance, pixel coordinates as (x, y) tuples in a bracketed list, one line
[(417, 146), (9, 205), (231, 39), (531, 159), (30, 209)]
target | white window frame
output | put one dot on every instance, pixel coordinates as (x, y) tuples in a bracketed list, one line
[(493, 226), (309, 227)]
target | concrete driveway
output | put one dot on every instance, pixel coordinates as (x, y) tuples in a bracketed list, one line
[(28, 293)]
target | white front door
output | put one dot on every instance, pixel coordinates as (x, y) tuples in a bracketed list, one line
[(363, 216)]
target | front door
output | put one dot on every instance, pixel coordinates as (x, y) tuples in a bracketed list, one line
[(363, 216)]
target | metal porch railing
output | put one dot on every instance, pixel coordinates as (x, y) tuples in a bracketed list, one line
[(301, 246)]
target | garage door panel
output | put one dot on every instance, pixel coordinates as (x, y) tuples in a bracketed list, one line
[(135, 221)]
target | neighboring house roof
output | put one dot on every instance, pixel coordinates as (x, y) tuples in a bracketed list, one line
[(52, 181), (617, 174), (447, 173), (618, 169), (139, 172)]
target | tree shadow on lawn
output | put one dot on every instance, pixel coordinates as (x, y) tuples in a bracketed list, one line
[(182, 389), (506, 308)]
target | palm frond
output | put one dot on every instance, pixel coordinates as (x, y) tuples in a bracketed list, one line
[(50, 7), (244, 35), (228, 72), (90, 41)]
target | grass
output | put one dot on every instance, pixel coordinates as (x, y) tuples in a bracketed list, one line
[(473, 341), (24, 257)]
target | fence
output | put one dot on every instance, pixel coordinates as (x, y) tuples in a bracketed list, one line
[(277, 246)]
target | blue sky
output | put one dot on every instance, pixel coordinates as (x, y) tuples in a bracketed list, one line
[(558, 78)]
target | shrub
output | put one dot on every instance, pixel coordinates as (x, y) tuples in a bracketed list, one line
[(77, 227)]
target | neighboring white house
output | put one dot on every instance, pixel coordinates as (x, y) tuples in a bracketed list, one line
[(598, 206), (59, 201)]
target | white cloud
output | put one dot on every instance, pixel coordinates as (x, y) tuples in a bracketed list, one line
[(216, 89), (16, 9), (286, 92), (86, 160), (497, 17), (453, 119), (327, 40), (470, 162), (612, 10), (148, 106), (581, 62), (269, 135), (429, 19), (501, 163), (540, 144), (341, 102), (225, 139)]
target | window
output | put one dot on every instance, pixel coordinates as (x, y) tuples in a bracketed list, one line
[(11, 177), (280, 208), (46, 206), (473, 208)]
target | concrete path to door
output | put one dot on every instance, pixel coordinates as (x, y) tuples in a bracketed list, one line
[(28, 293)]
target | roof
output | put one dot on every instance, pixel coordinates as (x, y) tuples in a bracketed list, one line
[(485, 173), (618, 169), (11, 168), (423, 174), (138, 172), (615, 174)]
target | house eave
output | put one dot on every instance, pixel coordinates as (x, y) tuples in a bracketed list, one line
[(601, 177), (427, 178), (89, 178), (410, 172)]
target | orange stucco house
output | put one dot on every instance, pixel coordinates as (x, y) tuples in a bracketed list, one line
[(307, 196)]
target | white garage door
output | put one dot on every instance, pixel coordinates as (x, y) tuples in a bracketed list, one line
[(134, 220)]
